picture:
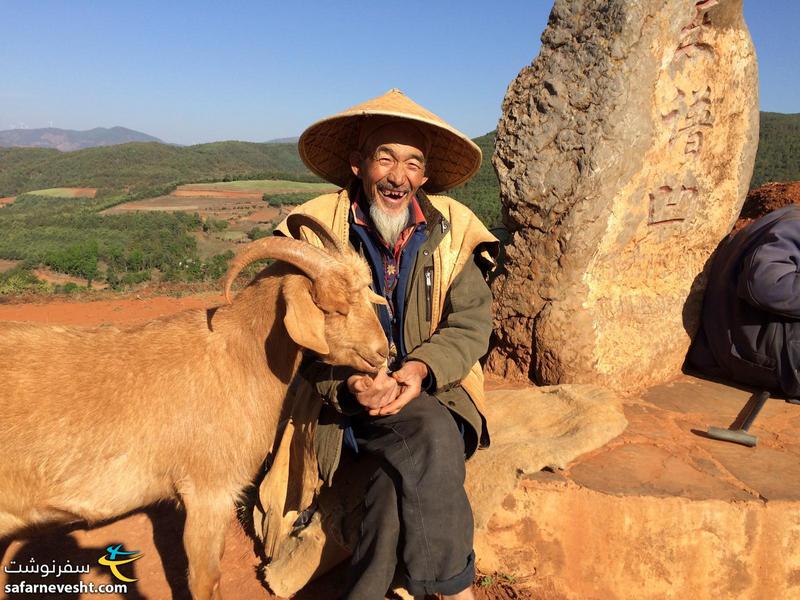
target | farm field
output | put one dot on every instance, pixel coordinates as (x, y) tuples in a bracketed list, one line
[(276, 186), (229, 200), (65, 192), (240, 204)]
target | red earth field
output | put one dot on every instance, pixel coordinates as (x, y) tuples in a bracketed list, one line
[(82, 192), (766, 198)]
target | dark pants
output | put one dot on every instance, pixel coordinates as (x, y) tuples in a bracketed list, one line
[(417, 513)]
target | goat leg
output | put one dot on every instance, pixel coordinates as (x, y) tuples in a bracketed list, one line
[(207, 519)]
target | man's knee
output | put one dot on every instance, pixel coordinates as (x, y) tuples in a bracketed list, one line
[(432, 427)]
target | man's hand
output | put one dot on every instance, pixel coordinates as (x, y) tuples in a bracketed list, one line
[(373, 392), (410, 377)]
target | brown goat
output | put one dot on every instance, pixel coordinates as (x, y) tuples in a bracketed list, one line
[(98, 422)]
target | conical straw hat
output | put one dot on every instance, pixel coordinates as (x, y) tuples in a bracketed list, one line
[(326, 145)]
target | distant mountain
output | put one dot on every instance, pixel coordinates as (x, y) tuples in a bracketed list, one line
[(286, 140), (69, 139)]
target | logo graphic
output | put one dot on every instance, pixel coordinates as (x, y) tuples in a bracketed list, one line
[(110, 560)]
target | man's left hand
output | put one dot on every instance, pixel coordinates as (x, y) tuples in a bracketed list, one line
[(410, 377)]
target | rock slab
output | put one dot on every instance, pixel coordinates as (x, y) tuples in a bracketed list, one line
[(662, 511), (624, 154)]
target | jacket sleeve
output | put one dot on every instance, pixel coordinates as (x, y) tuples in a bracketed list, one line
[(331, 384), (769, 279), (462, 336)]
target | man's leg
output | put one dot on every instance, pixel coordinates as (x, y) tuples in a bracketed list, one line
[(374, 561), (423, 446)]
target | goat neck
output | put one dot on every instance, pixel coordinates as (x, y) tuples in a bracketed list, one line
[(255, 317)]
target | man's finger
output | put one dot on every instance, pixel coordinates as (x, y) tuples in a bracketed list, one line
[(406, 396), (389, 398), (389, 395), (362, 384)]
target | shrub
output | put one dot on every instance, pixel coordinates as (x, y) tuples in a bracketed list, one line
[(20, 280), (256, 233)]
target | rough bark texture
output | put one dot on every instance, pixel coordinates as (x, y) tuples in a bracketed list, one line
[(624, 155)]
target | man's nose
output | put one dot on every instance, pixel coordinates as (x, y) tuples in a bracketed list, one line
[(397, 175)]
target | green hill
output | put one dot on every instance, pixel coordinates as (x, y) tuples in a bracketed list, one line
[(482, 192), (778, 157), (139, 168)]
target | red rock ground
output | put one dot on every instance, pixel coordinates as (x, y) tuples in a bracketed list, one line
[(766, 198), (83, 192)]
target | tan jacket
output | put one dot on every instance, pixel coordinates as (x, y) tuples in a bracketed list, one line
[(456, 238)]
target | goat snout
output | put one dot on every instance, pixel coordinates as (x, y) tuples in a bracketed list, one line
[(380, 354)]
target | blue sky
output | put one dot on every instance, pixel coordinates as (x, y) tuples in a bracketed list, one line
[(192, 72)]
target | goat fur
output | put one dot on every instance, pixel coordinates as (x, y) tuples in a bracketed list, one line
[(99, 422)]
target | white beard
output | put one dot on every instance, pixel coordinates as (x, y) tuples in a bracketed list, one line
[(389, 225)]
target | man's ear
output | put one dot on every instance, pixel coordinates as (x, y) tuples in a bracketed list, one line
[(424, 181), (304, 321), (355, 162)]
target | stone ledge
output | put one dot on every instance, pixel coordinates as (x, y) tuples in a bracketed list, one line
[(661, 511)]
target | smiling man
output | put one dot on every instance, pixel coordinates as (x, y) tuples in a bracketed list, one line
[(419, 418)]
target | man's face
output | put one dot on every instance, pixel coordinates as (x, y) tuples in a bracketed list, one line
[(391, 166)]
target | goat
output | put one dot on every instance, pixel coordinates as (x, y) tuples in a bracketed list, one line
[(98, 422)]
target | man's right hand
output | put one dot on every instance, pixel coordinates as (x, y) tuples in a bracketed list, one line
[(373, 392)]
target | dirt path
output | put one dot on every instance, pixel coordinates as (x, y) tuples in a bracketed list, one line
[(7, 265)]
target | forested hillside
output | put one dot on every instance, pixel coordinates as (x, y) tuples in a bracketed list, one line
[(482, 192), (138, 168), (778, 157)]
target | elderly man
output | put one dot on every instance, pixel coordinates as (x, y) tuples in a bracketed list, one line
[(419, 418)]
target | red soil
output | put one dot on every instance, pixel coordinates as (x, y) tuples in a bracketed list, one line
[(62, 279), (6, 265), (264, 215), (83, 192), (6, 201), (766, 198), (116, 311), (212, 193)]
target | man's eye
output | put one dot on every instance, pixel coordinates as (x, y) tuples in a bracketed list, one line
[(385, 161), (414, 166)]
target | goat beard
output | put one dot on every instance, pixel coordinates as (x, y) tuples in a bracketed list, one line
[(389, 225)]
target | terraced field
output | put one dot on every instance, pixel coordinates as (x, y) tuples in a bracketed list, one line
[(66, 192)]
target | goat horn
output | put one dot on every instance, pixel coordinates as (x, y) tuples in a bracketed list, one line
[(311, 260), (297, 220)]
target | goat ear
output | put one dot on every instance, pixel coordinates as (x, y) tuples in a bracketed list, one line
[(304, 321)]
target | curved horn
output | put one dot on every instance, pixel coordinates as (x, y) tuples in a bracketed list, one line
[(297, 220), (311, 260)]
